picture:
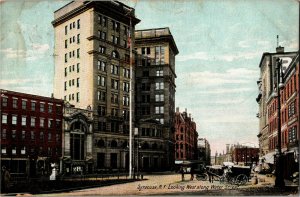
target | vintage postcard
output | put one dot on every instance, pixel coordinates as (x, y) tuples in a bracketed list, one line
[(137, 97)]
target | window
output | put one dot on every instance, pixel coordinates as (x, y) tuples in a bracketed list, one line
[(66, 72), (114, 112), (101, 66), (161, 120), (66, 57), (126, 114), (292, 134), (49, 136), (77, 82), (58, 124), (23, 135), (65, 85), (78, 24), (66, 43), (13, 134), (115, 54), (114, 84), (159, 55), (42, 136), (42, 107), (114, 69), (33, 105), (292, 109), (32, 122), (70, 43), (115, 39), (32, 135), (3, 149), (102, 49), (50, 108), (23, 120), (4, 101), (73, 82), (50, 123), (146, 98), (116, 26), (42, 122), (101, 96), (159, 97), (24, 104), (102, 127), (145, 86), (3, 134), (102, 20), (159, 110), (4, 118), (126, 73), (15, 103), (23, 150), (159, 73), (14, 120), (78, 53), (145, 50), (101, 81), (125, 100), (66, 30), (125, 87), (77, 97), (114, 98), (73, 24), (78, 38), (102, 35), (101, 110), (14, 150), (159, 86), (78, 65), (57, 138)]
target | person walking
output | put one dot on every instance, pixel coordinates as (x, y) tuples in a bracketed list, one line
[(182, 173), (210, 175), (192, 173)]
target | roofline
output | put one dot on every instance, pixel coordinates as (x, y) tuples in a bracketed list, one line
[(267, 53)]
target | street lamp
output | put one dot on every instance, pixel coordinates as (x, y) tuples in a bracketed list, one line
[(279, 182)]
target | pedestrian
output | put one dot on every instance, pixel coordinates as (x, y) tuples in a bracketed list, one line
[(210, 175), (192, 173), (5, 179), (182, 173)]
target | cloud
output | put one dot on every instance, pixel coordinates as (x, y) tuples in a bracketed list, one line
[(229, 57), (226, 91), (36, 51), (231, 76), (244, 44)]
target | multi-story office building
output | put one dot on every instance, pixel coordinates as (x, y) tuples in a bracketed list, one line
[(185, 137), (92, 70), (31, 132), (155, 97)]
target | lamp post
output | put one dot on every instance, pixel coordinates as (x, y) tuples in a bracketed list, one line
[(279, 181)]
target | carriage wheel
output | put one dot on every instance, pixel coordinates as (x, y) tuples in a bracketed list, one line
[(241, 179)]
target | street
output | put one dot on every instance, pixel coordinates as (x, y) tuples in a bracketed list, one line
[(171, 184)]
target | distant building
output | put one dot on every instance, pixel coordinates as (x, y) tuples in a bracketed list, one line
[(244, 155), (186, 137), (204, 152), (31, 132), (155, 97)]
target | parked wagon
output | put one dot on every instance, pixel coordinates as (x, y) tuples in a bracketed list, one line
[(238, 175)]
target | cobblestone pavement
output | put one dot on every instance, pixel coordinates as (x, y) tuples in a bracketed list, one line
[(171, 184)]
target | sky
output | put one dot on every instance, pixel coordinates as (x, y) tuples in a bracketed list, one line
[(220, 45)]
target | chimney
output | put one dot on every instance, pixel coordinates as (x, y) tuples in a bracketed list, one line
[(279, 49)]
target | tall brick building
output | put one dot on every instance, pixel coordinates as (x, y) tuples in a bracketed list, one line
[(186, 136), (31, 132)]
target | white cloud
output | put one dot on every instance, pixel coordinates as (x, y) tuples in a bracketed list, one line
[(225, 91), (229, 57), (244, 44), (231, 76), (35, 52)]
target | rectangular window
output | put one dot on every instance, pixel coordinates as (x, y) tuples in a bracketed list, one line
[(66, 57), (4, 101), (78, 65), (23, 120), (78, 53), (42, 136), (159, 97), (42, 107), (49, 136), (101, 66), (33, 104), (125, 87), (102, 35), (77, 97), (42, 122), (114, 69), (4, 118), (14, 120), (292, 134), (50, 123), (70, 26), (78, 24), (32, 135), (101, 96), (23, 150), (78, 38), (65, 85), (77, 82), (101, 81), (102, 49), (66, 29), (73, 24), (73, 82), (159, 86), (125, 100), (23, 135), (66, 72), (32, 122), (101, 110), (114, 98), (24, 104), (13, 134), (14, 150), (159, 110), (66, 43), (3, 150), (126, 73), (115, 84), (15, 103), (159, 73), (50, 108), (3, 134)]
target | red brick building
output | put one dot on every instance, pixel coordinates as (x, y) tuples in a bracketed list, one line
[(245, 155), (31, 132), (289, 100), (186, 137)]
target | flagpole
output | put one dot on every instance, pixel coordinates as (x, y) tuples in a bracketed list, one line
[(130, 102)]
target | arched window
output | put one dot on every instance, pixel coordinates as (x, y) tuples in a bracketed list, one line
[(77, 132), (115, 54), (100, 143), (113, 144)]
